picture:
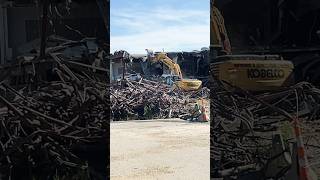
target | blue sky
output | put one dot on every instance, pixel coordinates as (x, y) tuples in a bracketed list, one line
[(172, 25)]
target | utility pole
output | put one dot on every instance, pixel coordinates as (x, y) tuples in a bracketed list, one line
[(125, 57), (44, 28)]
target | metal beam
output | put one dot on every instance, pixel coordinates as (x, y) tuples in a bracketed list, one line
[(44, 28), (4, 51)]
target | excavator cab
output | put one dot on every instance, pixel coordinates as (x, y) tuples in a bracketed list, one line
[(170, 79)]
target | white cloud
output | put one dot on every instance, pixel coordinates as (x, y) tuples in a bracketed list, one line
[(159, 28)]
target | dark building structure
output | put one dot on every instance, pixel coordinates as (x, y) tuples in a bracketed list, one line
[(271, 24), (20, 24)]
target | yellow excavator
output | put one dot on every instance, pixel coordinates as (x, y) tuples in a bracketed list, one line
[(181, 83), (249, 72)]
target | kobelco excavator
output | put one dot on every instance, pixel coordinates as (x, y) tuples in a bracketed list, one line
[(181, 83), (249, 72)]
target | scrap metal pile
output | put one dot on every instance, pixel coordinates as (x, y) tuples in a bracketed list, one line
[(146, 99), (244, 126), (42, 128)]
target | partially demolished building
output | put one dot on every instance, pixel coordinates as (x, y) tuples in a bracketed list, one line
[(193, 64)]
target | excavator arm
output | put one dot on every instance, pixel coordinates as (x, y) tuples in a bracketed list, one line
[(174, 67), (184, 84)]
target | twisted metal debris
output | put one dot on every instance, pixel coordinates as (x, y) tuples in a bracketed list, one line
[(243, 125)]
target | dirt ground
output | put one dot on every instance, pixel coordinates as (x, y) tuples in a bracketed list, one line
[(160, 149)]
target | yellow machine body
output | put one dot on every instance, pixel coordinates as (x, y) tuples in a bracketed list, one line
[(255, 75)]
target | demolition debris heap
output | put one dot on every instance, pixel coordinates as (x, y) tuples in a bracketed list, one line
[(148, 99)]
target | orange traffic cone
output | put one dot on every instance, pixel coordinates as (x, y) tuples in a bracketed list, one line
[(304, 170), (204, 116)]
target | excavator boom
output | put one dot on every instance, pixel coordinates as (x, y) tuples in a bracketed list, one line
[(174, 67), (219, 36)]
